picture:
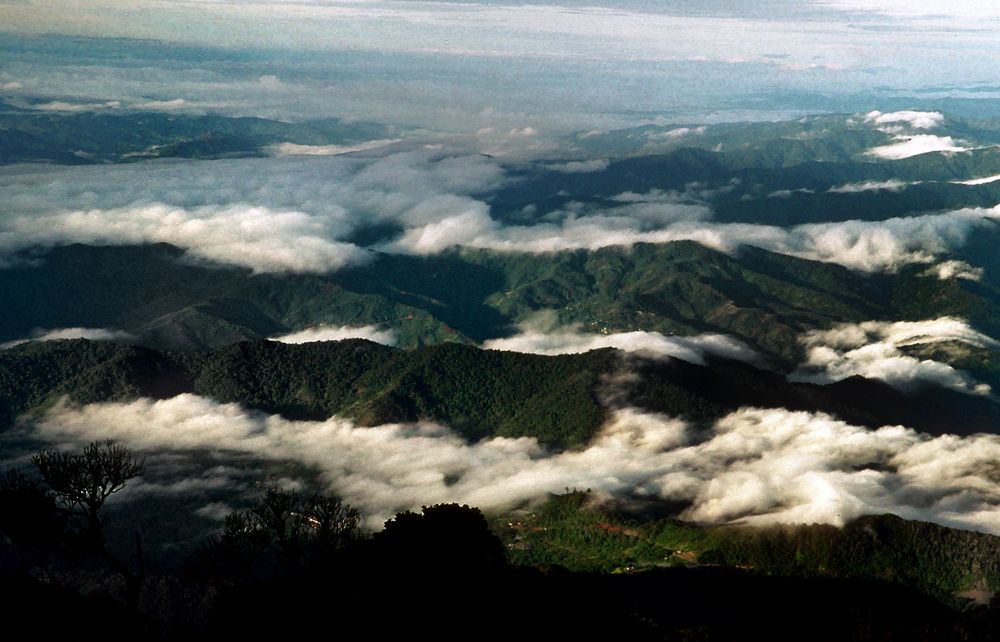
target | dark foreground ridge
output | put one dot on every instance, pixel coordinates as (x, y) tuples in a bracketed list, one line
[(293, 566)]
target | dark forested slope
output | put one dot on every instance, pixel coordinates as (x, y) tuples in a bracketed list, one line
[(561, 400)]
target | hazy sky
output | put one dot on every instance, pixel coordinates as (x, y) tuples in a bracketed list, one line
[(473, 64)]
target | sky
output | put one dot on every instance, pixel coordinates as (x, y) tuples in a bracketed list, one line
[(464, 66)]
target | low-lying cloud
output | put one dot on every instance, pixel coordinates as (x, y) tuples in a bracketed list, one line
[(578, 167), (754, 466), (868, 246), (338, 333), (875, 349), (915, 119), (955, 269), (254, 237), (573, 341), (301, 214), (271, 215), (63, 106), (295, 149), (891, 185), (979, 181), (93, 334), (907, 146)]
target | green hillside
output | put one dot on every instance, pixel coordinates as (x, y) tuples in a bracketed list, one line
[(560, 400), (765, 299), (571, 531)]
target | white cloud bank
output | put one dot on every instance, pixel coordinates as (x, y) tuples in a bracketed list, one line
[(295, 149), (578, 167), (915, 119), (93, 334), (63, 106), (903, 124), (174, 104), (339, 333), (891, 185), (572, 341), (868, 246), (255, 237), (874, 349), (908, 146), (979, 181), (298, 214), (758, 466), (271, 215), (954, 269)]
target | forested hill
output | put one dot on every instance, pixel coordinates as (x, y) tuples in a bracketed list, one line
[(575, 531), (561, 400), (765, 299)]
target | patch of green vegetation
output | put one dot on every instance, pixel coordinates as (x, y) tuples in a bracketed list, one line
[(467, 296), (476, 392), (560, 400), (572, 531)]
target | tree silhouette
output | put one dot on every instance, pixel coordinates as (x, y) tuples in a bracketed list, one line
[(82, 482), (281, 534), (444, 539)]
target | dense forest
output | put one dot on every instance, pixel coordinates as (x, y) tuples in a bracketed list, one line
[(560, 400), (765, 299)]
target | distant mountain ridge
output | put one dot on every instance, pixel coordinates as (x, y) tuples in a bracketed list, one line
[(35, 136)]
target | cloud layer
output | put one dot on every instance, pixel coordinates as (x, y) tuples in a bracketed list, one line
[(915, 119), (757, 466), (891, 185), (907, 146), (93, 334), (338, 333), (301, 213), (955, 270), (874, 349), (294, 149), (572, 341)]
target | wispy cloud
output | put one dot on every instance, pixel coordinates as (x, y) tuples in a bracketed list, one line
[(64, 106), (756, 466), (339, 333), (875, 349), (914, 119), (299, 214), (891, 185), (979, 181), (93, 334), (694, 349), (954, 269), (163, 105), (908, 146), (295, 149)]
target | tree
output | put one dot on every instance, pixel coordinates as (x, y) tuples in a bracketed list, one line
[(282, 533), (82, 483), (443, 539)]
